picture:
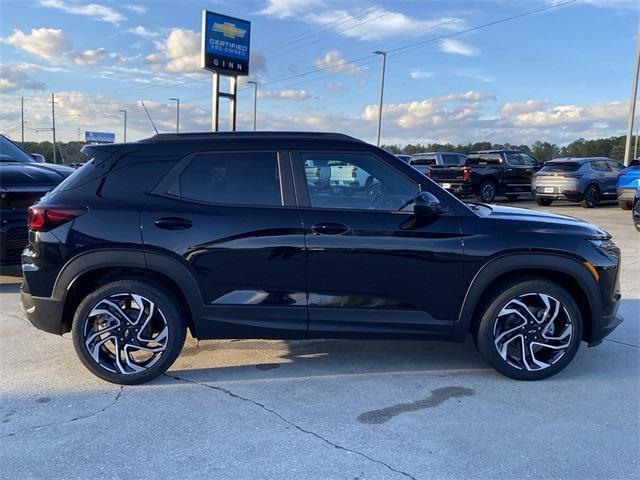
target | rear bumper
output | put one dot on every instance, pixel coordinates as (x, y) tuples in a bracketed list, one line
[(571, 195), (461, 189), (14, 235), (45, 313)]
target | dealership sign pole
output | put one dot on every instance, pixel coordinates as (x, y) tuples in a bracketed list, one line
[(225, 52)]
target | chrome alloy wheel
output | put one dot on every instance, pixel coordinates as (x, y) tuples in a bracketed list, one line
[(125, 333), (533, 331)]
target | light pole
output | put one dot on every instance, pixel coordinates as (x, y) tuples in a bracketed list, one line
[(384, 61), (255, 102), (125, 124), (177, 100), (632, 101)]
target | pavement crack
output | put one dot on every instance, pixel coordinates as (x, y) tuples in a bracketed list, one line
[(621, 343), (71, 420), (293, 424)]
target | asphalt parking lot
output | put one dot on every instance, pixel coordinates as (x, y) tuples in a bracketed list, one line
[(326, 409)]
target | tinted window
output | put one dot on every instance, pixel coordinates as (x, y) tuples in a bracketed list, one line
[(484, 158), (600, 166), (423, 160), (10, 152), (133, 178), (615, 166), (520, 159), (359, 181), (451, 159), (232, 178), (561, 167)]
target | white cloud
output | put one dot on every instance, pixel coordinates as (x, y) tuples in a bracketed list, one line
[(143, 32), (456, 47), (419, 74), (475, 74), (334, 62), (47, 43), (288, 8), (96, 56), (379, 23), (16, 77), (180, 52), (136, 8), (538, 113), (93, 10), (284, 94)]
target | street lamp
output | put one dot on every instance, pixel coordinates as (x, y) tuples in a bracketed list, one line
[(125, 124), (177, 100), (384, 60), (255, 102)]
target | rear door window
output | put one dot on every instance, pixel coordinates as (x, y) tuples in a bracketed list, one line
[(238, 178), (600, 166)]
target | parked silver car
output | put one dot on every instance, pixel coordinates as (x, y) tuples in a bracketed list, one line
[(585, 180)]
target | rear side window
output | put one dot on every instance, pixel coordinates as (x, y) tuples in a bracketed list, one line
[(232, 178), (484, 159), (600, 166), (133, 177)]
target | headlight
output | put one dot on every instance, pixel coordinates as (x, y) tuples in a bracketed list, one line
[(605, 246)]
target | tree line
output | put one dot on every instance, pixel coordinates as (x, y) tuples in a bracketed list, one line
[(612, 147)]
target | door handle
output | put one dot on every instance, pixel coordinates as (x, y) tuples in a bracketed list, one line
[(173, 223), (329, 228)]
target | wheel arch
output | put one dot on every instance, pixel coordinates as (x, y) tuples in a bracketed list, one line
[(87, 271), (568, 272)]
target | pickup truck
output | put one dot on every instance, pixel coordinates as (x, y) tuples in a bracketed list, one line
[(348, 179), (489, 173), (424, 161), (318, 174)]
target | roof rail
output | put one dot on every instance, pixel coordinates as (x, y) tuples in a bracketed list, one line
[(173, 137)]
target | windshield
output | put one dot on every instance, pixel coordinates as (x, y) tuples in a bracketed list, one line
[(10, 152), (561, 167)]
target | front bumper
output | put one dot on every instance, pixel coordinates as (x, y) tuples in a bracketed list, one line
[(607, 324), (45, 313), (626, 194)]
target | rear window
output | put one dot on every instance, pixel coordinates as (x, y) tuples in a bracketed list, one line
[(561, 167), (423, 160), (484, 158)]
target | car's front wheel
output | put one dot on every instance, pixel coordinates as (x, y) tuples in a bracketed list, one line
[(128, 331), (529, 330)]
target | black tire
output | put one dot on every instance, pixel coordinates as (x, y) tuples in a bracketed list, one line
[(511, 196), (623, 204), (591, 197), (163, 311), (487, 191), (543, 202), (487, 331)]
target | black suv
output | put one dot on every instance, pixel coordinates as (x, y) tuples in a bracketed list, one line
[(221, 234)]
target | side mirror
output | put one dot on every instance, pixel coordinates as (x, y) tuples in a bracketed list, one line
[(427, 206), (38, 157)]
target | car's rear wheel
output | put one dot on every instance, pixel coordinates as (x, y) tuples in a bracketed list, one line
[(487, 191), (623, 204), (128, 331), (530, 330), (591, 197), (543, 202)]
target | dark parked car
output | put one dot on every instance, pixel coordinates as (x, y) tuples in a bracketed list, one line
[(585, 180), (628, 181), (489, 173), (424, 161), (23, 180), (221, 234)]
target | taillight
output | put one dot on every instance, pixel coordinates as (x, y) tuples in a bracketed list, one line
[(466, 174), (354, 171), (428, 171), (43, 219)]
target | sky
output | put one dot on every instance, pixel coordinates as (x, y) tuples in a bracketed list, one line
[(452, 73)]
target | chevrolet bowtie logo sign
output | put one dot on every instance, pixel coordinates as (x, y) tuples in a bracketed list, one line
[(229, 30)]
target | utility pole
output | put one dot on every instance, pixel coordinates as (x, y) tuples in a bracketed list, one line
[(177, 100), (255, 102), (384, 61), (125, 124), (22, 117), (53, 125), (632, 101)]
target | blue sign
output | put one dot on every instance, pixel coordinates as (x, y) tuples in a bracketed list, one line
[(99, 137), (225, 44)]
